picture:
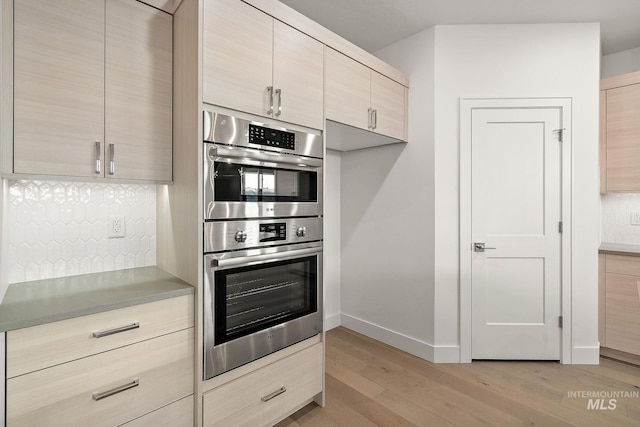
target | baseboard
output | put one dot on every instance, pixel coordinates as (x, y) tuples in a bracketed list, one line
[(331, 321), (436, 354), (585, 355), (620, 355)]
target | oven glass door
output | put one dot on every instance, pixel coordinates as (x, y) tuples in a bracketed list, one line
[(253, 298), (235, 182)]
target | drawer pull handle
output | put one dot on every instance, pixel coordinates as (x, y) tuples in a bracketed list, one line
[(270, 396), (101, 334), (103, 394)]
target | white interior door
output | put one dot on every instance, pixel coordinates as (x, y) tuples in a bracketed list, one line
[(516, 212)]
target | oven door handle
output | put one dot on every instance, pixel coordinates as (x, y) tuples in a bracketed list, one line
[(248, 153), (261, 259)]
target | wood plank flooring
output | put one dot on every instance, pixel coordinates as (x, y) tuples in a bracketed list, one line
[(371, 384)]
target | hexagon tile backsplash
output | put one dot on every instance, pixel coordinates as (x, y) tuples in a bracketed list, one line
[(60, 228), (616, 218)]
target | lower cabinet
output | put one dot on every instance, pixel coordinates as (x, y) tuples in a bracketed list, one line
[(146, 379), (621, 290), (266, 395), (176, 414)]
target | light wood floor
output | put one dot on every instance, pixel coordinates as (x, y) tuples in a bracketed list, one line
[(369, 383)]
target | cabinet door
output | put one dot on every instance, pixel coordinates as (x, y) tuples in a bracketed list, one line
[(388, 100), (58, 86), (298, 72), (237, 56), (138, 87), (348, 90), (623, 312), (177, 414), (623, 138)]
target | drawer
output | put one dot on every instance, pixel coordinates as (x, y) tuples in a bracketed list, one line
[(42, 346), (66, 395), (246, 401), (621, 264), (177, 414)]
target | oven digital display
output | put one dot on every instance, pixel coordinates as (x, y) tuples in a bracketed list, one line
[(272, 137), (273, 232)]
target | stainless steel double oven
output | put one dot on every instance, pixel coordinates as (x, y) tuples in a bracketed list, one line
[(262, 239)]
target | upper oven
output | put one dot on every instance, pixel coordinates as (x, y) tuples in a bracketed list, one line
[(256, 170)]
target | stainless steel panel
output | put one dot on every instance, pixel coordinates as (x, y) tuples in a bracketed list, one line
[(223, 129), (222, 236)]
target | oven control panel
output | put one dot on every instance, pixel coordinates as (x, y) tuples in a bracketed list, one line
[(272, 137), (220, 236), (272, 232)]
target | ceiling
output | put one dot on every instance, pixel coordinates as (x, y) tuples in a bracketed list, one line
[(374, 24)]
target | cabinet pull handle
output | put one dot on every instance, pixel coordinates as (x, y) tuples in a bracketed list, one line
[(271, 395), (279, 95), (98, 156), (100, 334), (374, 116), (369, 118), (270, 95), (103, 394), (112, 155)]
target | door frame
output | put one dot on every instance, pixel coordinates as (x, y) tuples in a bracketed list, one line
[(466, 243)]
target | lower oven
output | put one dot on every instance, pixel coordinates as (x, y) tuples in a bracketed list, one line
[(263, 289)]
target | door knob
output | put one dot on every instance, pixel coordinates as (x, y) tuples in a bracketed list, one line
[(480, 247)]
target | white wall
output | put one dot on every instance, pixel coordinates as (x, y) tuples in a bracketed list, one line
[(616, 218), (400, 222), (388, 220), (623, 62), (332, 232)]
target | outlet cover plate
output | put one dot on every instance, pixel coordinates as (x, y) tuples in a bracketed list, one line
[(115, 227)]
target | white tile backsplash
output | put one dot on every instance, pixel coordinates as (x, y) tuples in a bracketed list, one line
[(616, 218), (59, 229)]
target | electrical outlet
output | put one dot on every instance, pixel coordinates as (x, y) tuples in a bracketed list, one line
[(635, 218), (115, 226)]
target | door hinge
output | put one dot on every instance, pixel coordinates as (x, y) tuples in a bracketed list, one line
[(560, 134), (560, 227), (560, 321)]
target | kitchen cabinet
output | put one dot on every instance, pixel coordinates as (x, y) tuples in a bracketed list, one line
[(621, 289), (360, 97), (104, 369), (620, 133), (92, 89), (260, 65), (263, 396)]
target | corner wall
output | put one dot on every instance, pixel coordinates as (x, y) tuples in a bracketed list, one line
[(332, 231), (388, 219)]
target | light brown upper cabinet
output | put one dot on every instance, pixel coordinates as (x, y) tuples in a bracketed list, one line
[(360, 97), (620, 133), (92, 89), (257, 64)]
